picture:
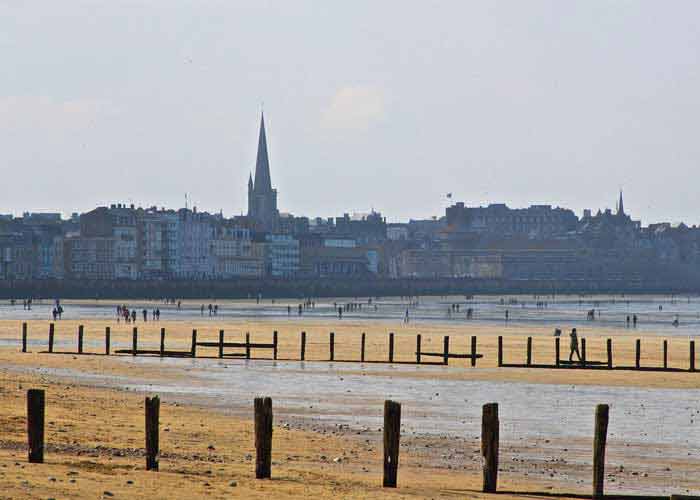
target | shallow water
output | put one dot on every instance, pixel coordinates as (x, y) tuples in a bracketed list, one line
[(655, 313), (452, 407)]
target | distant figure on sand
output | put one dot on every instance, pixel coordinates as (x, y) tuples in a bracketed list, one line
[(574, 346), (405, 318)]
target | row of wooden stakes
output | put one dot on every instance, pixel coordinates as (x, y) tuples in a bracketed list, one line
[(490, 426), (584, 362), (247, 346), (36, 403)]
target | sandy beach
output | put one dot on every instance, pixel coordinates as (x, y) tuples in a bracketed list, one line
[(327, 439)]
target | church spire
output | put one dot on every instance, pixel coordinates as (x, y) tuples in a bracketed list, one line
[(620, 205), (263, 184)]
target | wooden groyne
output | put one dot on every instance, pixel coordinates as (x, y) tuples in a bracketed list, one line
[(240, 346), (391, 431)]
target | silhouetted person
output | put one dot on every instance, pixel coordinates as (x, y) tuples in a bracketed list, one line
[(574, 346)]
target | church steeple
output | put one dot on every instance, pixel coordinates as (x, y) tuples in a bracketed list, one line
[(262, 199), (620, 205), (263, 183)]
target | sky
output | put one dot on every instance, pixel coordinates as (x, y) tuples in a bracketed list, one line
[(384, 105)]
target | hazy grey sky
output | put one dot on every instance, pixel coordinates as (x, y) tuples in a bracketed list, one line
[(368, 104)]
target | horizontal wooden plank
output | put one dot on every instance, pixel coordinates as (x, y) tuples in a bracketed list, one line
[(236, 344), (459, 356)]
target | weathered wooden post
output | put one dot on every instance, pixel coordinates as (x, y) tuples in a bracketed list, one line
[(332, 347), (600, 437), (51, 332), (665, 354), (529, 351), (608, 344), (161, 349), (473, 350), (445, 350), (418, 341), (489, 446), (221, 343), (152, 417), (263, 438), (692, 356), (24, 337), (583, 352), (391, 347), (392, 436), (108, 334), (362, 348), (557, 352), (134, 341), (274, 344), (35, 425), (193, 346), (500, 351), (302, 355), (80, 339), (637, 353)]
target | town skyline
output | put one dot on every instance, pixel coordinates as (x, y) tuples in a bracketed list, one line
[(470, 98)]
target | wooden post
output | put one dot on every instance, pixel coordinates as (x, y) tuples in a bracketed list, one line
[(473, 350), (391, 347), (332, 347), (162, 342), (445, 349), (108, 334), (692, 356), (637, 353), (529, 351), (35, 425), (221, 343), (247, 345), (263, 437), (557, 351), (80, 339), (600, 437), (274, 344), (134, 341), (24, 337), (665, 353), (418, 340), (610, 354), (193, 346), (302, 355), (583, 352), (392, 435), (51, 331), (489, 446), (152, 416), (362, 348), (500, 351)]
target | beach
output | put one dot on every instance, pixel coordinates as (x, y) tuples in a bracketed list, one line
[(327, 439)]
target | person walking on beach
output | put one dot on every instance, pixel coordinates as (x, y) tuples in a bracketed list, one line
[(405, 318), (574, 346)]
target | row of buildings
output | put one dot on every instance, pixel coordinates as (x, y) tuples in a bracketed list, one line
[(125, 242)]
